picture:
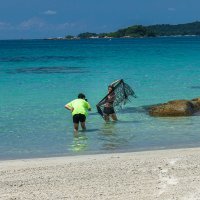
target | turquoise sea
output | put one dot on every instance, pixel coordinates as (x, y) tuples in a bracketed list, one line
[(38, 77)]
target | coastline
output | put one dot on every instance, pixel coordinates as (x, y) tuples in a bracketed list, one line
[(160, 174)]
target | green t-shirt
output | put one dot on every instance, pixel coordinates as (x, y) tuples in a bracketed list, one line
[(80, 106)]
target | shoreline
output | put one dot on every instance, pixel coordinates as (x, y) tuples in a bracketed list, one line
[(157, 174), (63, 39), (93, 153)]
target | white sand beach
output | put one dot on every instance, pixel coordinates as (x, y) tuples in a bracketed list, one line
[(163, 174)]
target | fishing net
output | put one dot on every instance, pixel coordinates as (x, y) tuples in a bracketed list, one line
[(122, 91)]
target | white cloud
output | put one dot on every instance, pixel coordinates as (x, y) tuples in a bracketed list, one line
[(40, 26), (5, 26), (65, 25), (171, 9), (32, 23), (50, 12)]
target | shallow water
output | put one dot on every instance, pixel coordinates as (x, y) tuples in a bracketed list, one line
[(38, 77)]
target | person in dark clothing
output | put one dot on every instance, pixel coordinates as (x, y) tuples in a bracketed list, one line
[(108, 106)]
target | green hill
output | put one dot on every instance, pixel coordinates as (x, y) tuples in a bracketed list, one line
[(180, 29), (149, 31)]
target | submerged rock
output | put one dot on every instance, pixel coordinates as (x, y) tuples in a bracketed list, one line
[(176, 108)]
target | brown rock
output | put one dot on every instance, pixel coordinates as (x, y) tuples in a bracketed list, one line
[(174, 108), (196, 103)]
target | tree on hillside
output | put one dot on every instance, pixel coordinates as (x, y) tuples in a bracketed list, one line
[(87, 35)]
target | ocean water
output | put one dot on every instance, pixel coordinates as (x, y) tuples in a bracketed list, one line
[(38, 77)]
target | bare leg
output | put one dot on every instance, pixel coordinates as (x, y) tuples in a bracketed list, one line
[(76, 134), (75, 127), (106, 118), (114, 117), (83, 126)]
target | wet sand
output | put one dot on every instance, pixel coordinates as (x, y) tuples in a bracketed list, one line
[(163, 174)]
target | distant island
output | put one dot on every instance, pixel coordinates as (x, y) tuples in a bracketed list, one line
[(138, 31)]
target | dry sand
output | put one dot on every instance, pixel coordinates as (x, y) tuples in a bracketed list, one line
[(165, 175)]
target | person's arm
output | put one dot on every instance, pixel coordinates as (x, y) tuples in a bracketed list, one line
[(88, 107), (68, 107)]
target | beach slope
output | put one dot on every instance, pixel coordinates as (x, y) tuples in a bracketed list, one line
[(163, 174)]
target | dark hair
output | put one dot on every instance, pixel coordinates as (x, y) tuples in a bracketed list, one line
[(81, 96)]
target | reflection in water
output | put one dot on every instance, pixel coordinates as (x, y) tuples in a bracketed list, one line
[(197, 113), (130, 122), (79, 142), (109, 128), (111, 137)]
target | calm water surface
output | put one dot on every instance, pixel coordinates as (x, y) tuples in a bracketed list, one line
[(38, 77)]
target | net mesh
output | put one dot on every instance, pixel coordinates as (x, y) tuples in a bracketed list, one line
[(122, 91)]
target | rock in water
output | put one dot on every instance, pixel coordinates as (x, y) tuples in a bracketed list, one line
[(196, 103), (176, 108)]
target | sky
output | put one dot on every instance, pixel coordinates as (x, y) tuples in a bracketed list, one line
[(32, 19)]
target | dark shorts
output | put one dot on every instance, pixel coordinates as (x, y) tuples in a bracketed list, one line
[(108, 110), (79, 118)]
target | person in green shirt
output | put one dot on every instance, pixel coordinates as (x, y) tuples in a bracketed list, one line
[(79, 108)]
